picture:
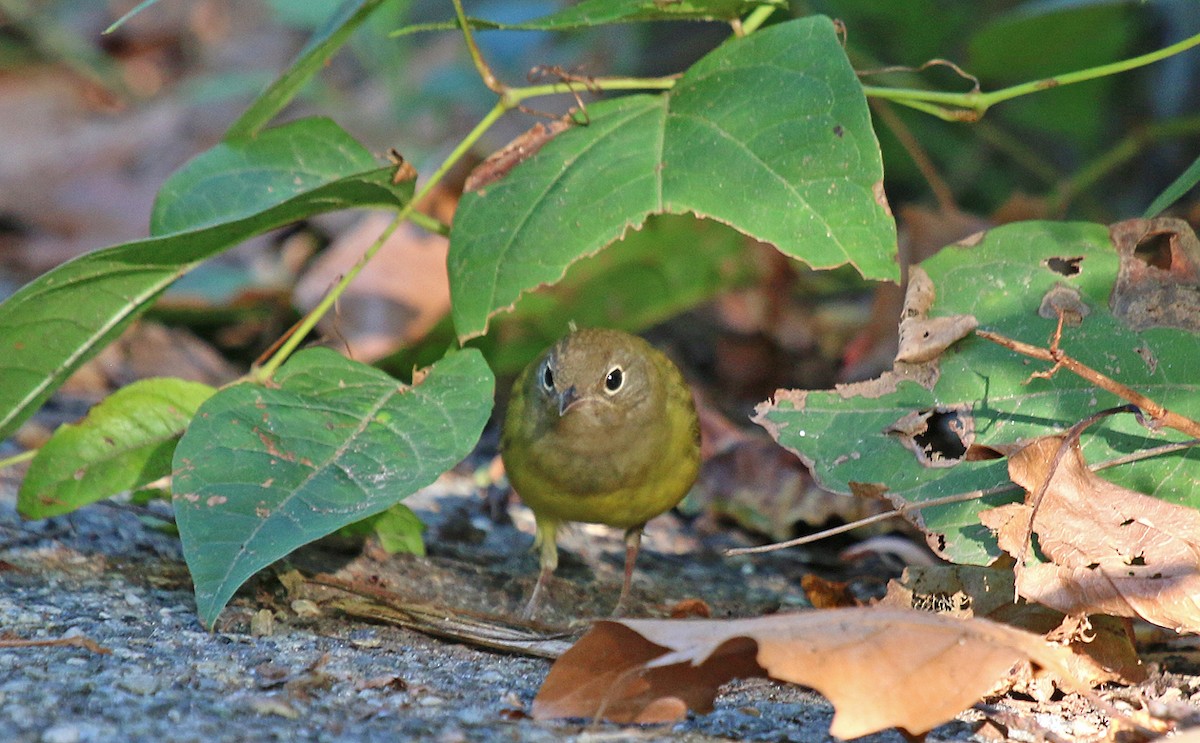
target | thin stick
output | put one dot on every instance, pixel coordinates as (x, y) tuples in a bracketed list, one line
[(948, 499), (1059, 358)]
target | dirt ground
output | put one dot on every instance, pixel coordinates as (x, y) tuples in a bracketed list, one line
[(282, 668)]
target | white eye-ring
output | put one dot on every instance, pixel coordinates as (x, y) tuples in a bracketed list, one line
[(547, 378), (614, 381)]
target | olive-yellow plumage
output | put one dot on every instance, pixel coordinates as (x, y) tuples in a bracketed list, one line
[(601, 428)]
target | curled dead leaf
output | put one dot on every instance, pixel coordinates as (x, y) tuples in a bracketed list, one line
[(1112, 550), (499, 163), (1102, 653), (924, 338), (881, 668)]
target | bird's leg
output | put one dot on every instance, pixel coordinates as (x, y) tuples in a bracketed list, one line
[(633, 541), (544, 542)]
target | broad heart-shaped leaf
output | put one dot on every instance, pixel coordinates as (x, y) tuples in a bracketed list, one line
[(769, 133), (264, 470), (238, 189), (1002, 281), (670, 265), (124, 443)]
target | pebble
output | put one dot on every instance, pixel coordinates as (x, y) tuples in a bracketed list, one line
[(63, 733), (139, 683)]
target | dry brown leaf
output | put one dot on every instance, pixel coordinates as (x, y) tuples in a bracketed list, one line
[(1112, 550), (1158, 283), (924, 338), (526, 145), (881, 668), (1104, 652)]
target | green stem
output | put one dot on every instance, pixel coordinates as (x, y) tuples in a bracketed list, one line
[(971, 106), (481, 65), (1117, 155), (757, 17), (16, 459), (516, 95), (267, 370), (431, 224), (509, 98)]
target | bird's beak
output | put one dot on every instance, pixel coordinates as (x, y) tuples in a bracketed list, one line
[(566, 399)]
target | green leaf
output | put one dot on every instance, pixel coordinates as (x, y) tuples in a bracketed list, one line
[(311, 60), (52, 325), (1002, 282), (124, 443), (769, 134), (264, 470), (1174, 192), (672, 264), (588, 13), (399, 530)]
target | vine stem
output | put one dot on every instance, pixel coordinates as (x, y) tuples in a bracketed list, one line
[(972, 105), (16, 459), (268, 369), (757, 17)]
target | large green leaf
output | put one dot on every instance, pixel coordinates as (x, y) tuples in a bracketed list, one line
[(769, 133), (264, 470), (240, 188), (124, 443), (669, 266), (1002, 282)]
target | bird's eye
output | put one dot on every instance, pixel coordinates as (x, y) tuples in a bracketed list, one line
[(547, 378), (614, 380)]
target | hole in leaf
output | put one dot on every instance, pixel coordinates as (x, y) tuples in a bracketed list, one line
[(938, 436), (1155, 250), (943, 436), (1065, 266)]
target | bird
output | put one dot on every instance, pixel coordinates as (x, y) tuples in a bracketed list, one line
[(601, 428)]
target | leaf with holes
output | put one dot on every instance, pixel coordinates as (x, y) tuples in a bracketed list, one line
[(912, 435), (803, 173), (264, 470)]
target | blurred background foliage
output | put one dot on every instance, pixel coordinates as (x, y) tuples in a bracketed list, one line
[(94, 123)]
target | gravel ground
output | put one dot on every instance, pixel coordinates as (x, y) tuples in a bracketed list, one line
[(103, 574)]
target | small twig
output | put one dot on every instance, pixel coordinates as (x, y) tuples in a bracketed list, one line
[(910, 508), (904, 510), (77, 642), (975, 87), (941, 190), (472, 628), (1060, 359)]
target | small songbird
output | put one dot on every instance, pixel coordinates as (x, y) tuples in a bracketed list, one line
[(600, 428)]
